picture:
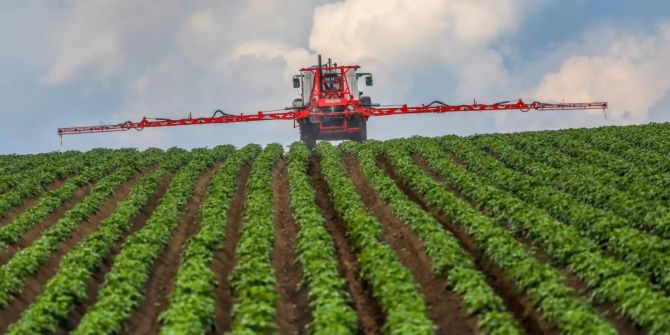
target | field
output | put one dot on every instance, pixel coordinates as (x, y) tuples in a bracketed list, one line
[(553, 232)]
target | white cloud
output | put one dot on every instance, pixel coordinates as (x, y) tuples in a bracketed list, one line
[(631, 74)]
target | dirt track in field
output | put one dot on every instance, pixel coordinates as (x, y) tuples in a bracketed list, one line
[(445, 307), (98, 278), (608, 310), (17, 211), (35, 283), (224, 260), (517, 303), (49, 221), (145, 318), (293, 312), (370, 315)]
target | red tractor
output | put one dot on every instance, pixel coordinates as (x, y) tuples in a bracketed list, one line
[(331, 107)]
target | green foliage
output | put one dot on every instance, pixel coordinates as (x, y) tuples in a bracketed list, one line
[(392, 284), (561, 242), (253, 280), (543, 284), (123, 286), (191, 306), (28, 260), (448, 258), (316, 253), (67, 286)]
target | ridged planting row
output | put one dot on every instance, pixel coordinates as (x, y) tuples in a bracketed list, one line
[(636, 179), (448, 258), (21, 168), (253, 280), (28, 260), (611, 280), (123, 287), (642, 214), (54, 199), (67, 287), (191, 305), (606, 139), (543, 284), (652, 136), (316, 253), (533, 143), (391, 283), (41, 177), (645, 253)]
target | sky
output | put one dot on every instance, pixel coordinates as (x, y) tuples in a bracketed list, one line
[(86, 62)]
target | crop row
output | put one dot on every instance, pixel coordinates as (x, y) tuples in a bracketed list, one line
[(191, 305), (610, 279), (67, 287), (448, 258), (253, 279), (54, 199), (42, 176), (642, 214), (636, 179), (391, 283), (651, 136), (316, 253), (123, 287), (643, 252), (28, 260), (543, 284), (13, 172), (607, 140), (533, 144)]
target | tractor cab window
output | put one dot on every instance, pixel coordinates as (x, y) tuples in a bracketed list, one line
[(332, 82)]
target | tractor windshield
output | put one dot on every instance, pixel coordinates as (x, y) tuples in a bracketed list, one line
[(332, 82)]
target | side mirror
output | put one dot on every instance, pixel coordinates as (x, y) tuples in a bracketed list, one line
[(368, 81), (296, 82)]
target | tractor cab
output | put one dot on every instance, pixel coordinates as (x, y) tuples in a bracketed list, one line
[(330, 95)]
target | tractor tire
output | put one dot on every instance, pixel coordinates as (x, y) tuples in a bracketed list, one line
[(362, 134), (307, 135)]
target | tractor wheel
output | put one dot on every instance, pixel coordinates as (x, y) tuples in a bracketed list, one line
[(362, 134), (307, 135)]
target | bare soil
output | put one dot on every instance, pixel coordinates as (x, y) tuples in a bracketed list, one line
[(224, 260), (370, 315), (35, 283), (516, 302), (445, 307), (145, 318), (293, 312), (93, 284), (40, 227)]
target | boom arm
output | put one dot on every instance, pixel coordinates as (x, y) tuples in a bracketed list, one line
[(291, 114)]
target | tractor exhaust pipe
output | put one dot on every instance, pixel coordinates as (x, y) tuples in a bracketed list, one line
[(320, 76)]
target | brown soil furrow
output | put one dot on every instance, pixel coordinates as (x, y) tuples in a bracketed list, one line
[(98, 278), (445, 307), (49, 221), (144, 319), (35, 283), (517, 303), (293, 312), (17, 211), (224, 260), (370, 315), (622, 325)]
